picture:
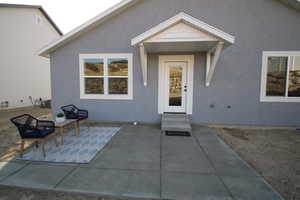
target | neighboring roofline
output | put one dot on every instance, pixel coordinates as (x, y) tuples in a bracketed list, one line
[(51, 21), (87, 26), (7, 5), (185, 18)]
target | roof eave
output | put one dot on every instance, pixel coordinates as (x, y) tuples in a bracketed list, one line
[(86, 26)]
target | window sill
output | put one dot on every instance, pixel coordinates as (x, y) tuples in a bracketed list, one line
[(107, 97), (280, 99)]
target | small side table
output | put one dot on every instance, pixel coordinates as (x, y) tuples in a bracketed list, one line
[(61, 126)]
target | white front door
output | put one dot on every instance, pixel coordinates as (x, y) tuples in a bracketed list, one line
[(175, 87), (175, 84)]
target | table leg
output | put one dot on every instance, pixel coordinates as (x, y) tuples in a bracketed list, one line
[(77, 126), (56, 143), (22, 147), (61, 131), (43, 148), (88, 125)]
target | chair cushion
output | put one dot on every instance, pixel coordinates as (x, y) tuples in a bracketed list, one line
[(29, 133), (81, 117), (33, 134), (45, 132)]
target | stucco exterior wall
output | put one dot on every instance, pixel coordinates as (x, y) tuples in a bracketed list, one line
[(258, 25), (22, 72)]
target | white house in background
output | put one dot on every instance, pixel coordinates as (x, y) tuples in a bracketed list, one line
[(23, 74)]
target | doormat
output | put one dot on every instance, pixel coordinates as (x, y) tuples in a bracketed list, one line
[(177, 133)]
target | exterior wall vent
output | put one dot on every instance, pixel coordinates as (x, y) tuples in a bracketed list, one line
[(4, 104)]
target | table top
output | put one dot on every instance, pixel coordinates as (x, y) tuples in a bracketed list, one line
[(64, 123)]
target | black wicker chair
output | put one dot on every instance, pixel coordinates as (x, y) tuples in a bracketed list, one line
[(72, 112), (31, 128)]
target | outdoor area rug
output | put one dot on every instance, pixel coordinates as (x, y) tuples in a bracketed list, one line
[(76, 149)]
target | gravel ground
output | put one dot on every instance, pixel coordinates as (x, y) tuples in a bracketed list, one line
[(275, 154)]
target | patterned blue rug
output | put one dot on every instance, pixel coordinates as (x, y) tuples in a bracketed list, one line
[(76, 149)]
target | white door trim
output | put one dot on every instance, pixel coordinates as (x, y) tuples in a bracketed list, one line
[(190, 80)]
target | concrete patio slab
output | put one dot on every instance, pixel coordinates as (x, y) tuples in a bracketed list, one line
[(232, 166), (124, 156), (137, 135), (38, 176), (222, 157), (182, 143), (193, 186), (207, 136), (249, 188), (136, 140), (141, 163), (140, 130), (214, 145), (186, 163), (183, 155), (8, 168), (119, 183), (217, 149)]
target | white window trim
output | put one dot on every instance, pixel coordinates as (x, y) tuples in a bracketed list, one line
[(106, 96), (263, 84)]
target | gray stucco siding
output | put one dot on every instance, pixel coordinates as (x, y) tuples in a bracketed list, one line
[(258, 25)]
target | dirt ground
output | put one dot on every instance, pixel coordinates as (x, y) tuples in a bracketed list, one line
[(275, 154)]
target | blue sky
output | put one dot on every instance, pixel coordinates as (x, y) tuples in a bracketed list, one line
[(69, 14)]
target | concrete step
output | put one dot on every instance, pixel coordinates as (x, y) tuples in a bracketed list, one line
[(176, 123), (175, 117)]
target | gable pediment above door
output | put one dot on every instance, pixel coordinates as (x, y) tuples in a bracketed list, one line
[(181, 32)]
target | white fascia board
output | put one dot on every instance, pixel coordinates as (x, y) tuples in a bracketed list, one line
[(189, 19), (85, 27)]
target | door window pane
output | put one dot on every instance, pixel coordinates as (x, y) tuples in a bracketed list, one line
[(118, 85), (94, 86), (175, 89), (117, 67), (93, 67), (276, 77), (294, 77)]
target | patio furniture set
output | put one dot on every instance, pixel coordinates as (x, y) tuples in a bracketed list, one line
[(32, 129)]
